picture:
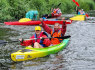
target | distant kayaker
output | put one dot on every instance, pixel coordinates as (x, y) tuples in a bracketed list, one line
[(56, 11), (37, 43), (79, 11), (33, 14), (56, 32)]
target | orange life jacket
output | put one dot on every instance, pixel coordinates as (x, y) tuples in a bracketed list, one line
[(56, 34)]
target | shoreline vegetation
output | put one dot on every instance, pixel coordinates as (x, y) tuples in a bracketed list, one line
[(11, 10)]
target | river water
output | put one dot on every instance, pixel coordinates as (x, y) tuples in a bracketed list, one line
[(78, 55)]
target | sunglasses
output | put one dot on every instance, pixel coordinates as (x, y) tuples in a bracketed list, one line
[(37, 30)]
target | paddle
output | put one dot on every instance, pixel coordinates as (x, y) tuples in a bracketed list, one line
[(7, 42), (58, 5), (76, 3), (64, 37), (78, 6)]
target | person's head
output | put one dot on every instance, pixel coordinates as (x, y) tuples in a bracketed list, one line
[(56, 26), (81, 9), (37, 30)]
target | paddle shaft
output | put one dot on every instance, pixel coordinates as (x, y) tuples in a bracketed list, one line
[(58, 5), (8, 42), (64, 37)]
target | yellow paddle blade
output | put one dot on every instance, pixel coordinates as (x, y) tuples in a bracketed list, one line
[(24, 20), (78, 18)]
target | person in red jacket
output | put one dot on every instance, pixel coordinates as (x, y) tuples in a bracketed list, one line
[(42, 42), (56, 32)]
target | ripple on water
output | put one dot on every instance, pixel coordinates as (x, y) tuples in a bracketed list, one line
[(78, 55)]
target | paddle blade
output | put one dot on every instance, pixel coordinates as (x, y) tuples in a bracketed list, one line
[(4, 42), (86, 15), (73, 0), (58, 5), (77, 4), (64, 37)]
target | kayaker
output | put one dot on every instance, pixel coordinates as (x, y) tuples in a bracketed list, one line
[(56, 32), (37, 43), (56, 11), (80, 11), (77, 10), (33, 14)]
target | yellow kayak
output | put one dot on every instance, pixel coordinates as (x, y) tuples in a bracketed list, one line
[(31, 53), (78, 18)]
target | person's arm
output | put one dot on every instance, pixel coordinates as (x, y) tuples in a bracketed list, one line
[(46, 41), (76, 10), (45, 27), (26, 42), (63, 29)]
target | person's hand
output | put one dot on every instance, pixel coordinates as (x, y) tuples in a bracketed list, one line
[(41, 38), (21, 40), (64, 22), (63, 18), (41, 19)]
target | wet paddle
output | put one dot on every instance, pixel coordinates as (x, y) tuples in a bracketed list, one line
[(58, 5), (64, 37), (76, 3), (7, 42)]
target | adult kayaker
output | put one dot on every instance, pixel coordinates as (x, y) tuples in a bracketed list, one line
[(33, 14), (56, 12), (37, 43), (56, 32)]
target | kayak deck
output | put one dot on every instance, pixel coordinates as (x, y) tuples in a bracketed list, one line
[(78, 18)]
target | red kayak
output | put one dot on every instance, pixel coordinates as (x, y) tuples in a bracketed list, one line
[(36, 22)]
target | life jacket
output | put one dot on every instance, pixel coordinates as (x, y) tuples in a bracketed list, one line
[(81, 13), (56, 34), (55, 11), (39, 40)]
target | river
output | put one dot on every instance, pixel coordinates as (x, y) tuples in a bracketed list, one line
[(78, 55)]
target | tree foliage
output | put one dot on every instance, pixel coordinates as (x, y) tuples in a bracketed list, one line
[(16, 9)]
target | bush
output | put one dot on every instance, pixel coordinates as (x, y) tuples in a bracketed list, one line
[(16, 9)]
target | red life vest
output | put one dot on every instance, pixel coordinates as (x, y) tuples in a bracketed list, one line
[(44, 43)]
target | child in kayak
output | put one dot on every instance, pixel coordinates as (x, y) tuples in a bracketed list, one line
[(33, 14), (42, 42), (56, 32)]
